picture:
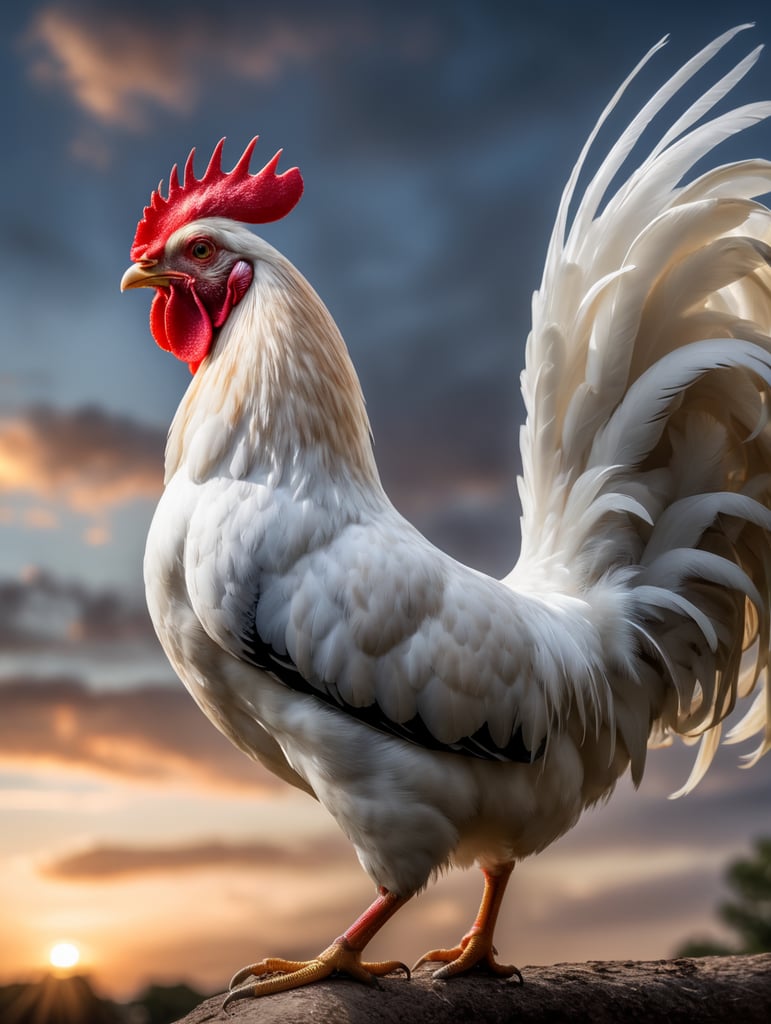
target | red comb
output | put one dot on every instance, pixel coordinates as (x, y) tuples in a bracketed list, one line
[(237, 194)]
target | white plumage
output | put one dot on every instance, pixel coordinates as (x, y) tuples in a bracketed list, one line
[(443, 717)]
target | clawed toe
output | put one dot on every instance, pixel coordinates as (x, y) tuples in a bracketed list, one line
[(271, 965), (277, 975), (473, 952)]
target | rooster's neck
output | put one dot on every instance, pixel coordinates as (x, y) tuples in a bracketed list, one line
[(279, 390)]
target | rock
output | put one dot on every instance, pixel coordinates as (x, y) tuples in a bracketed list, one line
[(708, 990)]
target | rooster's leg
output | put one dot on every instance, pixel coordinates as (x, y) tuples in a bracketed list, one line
[(344, 956), (476, 948)]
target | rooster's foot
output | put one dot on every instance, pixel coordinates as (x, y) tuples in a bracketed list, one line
[(338, 958), (475, 950)]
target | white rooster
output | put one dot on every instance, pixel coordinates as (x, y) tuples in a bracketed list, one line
[(443, 717)]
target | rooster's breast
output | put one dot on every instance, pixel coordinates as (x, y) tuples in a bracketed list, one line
[(213, 677)]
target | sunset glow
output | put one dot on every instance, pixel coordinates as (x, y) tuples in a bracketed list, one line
[(64, 955)]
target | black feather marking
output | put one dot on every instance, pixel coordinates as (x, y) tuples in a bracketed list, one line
[(479, 744)]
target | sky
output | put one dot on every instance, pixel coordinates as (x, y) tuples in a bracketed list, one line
[(434, 139)]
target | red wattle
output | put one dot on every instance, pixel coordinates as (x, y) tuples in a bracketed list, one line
[(158, 317), (180, 324), (238, 282)]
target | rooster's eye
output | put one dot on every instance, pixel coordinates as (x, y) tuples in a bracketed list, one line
[(201, 250)]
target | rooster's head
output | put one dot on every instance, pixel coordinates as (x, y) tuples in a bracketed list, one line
[(176, 250)]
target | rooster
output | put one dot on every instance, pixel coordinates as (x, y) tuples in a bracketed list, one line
[(442, 717)]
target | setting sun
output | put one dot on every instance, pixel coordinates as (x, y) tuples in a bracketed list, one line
[(64, 955)]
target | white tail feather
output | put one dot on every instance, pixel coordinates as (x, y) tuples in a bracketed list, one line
[(647, 449)]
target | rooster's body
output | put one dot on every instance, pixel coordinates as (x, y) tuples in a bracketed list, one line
[(443, 717)]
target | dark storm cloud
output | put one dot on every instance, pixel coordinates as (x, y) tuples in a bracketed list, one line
[(148, 734), (42, 610), (434, 142)]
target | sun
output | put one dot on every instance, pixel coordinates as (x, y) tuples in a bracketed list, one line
[(64, 955)]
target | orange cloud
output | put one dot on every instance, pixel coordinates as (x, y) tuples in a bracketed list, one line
[(110, 66), (116, 66), (148, 734), (38, 517), (86, 458), (103, 863), (97, 534)]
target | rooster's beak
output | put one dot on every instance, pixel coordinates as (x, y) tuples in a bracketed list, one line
[(144, 275)]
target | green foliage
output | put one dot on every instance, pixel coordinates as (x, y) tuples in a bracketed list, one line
[(749, 912), (704, 947)]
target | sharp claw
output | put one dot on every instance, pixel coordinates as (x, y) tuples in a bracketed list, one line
[(241, 976), (244, 992)]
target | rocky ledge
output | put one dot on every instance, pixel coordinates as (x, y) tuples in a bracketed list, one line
[(708, 990)]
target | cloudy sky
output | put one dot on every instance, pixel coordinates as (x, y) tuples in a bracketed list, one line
[(434, 138)]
